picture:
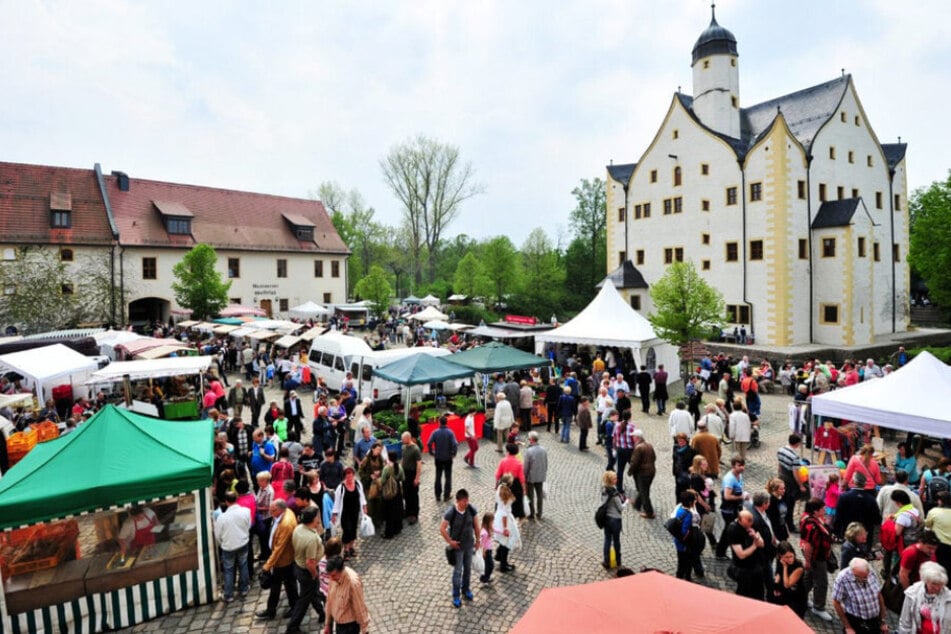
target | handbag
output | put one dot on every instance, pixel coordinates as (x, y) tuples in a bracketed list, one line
[(374, 492), (451, 555), (390, 488), (893, 594), (366, 527), (266, 579), (707, 522)]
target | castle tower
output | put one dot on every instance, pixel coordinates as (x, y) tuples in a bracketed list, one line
[(716, 79)]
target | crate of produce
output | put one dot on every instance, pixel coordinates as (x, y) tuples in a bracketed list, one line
[(46, 430), (22, 441), (14, 457)]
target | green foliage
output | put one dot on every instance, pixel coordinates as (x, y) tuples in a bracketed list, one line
[(473, 315), (38, 294), (580, 279), (198, 286), (930, 239), (589, 224), (544, 276), (943, 353), (470, 278), (502, 268), (376, 288), (686, 307)]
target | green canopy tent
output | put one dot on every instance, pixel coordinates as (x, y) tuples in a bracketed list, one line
[(114, 459), (421, 369), (497, 357)]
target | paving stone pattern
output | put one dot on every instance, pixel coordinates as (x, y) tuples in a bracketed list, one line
[(408, 583)]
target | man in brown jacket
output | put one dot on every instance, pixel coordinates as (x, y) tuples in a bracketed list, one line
[(281, 562), (708, 446), (584, 422), (642, 468)]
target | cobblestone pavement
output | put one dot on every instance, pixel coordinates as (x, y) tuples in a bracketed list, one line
[(407, 581)]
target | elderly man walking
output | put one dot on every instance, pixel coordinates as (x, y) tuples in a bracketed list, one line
[(857, 598), (346, 607), (536, 471), (503, 419), (643, 469), (232, 531)]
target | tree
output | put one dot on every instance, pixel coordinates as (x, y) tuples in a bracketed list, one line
[(376, 288), (686, 307), (198, 286), (579, 284), (589, 221), (99, 300), (38, 294), (544, 275), (501, 267), (354, 222), (470, 278), (431, 182), (930, 239)]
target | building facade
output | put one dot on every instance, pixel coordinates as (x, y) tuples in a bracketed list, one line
[(791, 208), (277, 252)]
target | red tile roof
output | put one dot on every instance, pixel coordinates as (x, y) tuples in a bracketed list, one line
[(26, 193), (223, 218)]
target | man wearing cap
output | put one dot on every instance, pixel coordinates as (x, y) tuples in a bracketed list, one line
[(643, 469), (622, 401), (442, 446), (708, 446)]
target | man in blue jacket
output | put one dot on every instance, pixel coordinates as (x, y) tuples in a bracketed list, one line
[(442, 446)]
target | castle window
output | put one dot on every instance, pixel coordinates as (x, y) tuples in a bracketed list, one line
[(647, 210), (639, 257), (61, 219), (676, 134), (677, 176), (705, 265), (732, 251), (868, 160), (653, 176), (704, 169), (705, 205), (679, 253), (822, 192), (857, 121), (66, 288), (282, 268), (66, 255), (149, 269), (897, 202), (637, 212), (732, 61), (668, 206), (801, 190), (896, 254), (318, 268), (851, 156), (803, 249), (705, 238), (878, 200), (706, 64), (636, 302), (855, 192), (335, 268), (283, 304), (668, 255), (731, 195), (828, 247), (733, 101), (327, 297), (842, 116), (756, 250), (840, 192), (830, 313), (861, 247), (678, 205), (832, 152), (621, 257), (756, 191), (234, 268), (620, 214), (876, 252)]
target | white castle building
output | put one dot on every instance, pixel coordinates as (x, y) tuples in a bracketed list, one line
[(792, 208)]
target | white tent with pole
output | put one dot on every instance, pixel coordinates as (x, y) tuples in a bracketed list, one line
[(429, 314), (45, 368), (609, 321), (912, 398), (429, 300), (308, 310)]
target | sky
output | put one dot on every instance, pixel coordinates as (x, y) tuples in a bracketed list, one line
[(278, 97)]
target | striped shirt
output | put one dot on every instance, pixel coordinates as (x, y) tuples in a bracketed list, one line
[(858, 598), (788, 461), (624, 436), (345, 602)]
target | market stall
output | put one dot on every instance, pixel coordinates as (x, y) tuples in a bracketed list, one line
[(44, 368), (309, 310), (126, 537), (498, 357), (142, 373)]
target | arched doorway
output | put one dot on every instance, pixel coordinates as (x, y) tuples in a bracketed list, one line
[(148, 310), (267, 307)]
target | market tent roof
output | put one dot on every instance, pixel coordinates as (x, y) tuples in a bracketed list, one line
[(242, 331), (428, 314), (419, 369), (497, 357), (412, 299), (163, 351), (287, 341), (114, 458), (12, 400), (205, 326), (188, 323), (150, 368), (437, 325), (607, 321), (313, 333), (133, 348), (236, 310), (308, 310), (912, 398), (458, 298), (229, 321), (429, 300), (223, 329), (664, 604), (499, 333), (262, 335), (48, 363)]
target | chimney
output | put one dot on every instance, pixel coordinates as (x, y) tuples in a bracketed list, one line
[(122, 180)]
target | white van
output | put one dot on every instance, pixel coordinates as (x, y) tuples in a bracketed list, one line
[(331, 356)]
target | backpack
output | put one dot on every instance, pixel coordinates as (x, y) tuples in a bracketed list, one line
[(937, 484), (889, 536), (601, 515), (675, 526), (391, 486)]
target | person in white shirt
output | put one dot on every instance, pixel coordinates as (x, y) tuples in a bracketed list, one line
[(680, 421), (741, 428), (232, 531)]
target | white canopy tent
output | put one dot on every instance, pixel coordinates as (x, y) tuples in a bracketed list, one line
[(429, 314), (609, 321), (49, 366), (150, 369), (429, 300), (912, 398), (111, 338), (12, 400), (308, 310)]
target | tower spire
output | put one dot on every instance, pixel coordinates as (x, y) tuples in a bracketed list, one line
[(713, 13)]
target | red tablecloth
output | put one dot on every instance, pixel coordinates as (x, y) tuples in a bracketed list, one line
[(456, 424)]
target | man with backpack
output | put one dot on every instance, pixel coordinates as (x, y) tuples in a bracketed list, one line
[(934, 481)]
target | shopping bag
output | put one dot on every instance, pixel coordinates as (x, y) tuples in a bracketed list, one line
[(366, 527), (546, 489), (478, 563)]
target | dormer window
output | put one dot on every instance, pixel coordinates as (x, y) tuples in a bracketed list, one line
[(61, 210), (176, 217), (302, 228)]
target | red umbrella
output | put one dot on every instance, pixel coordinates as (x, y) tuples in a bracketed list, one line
[(652, 602)]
